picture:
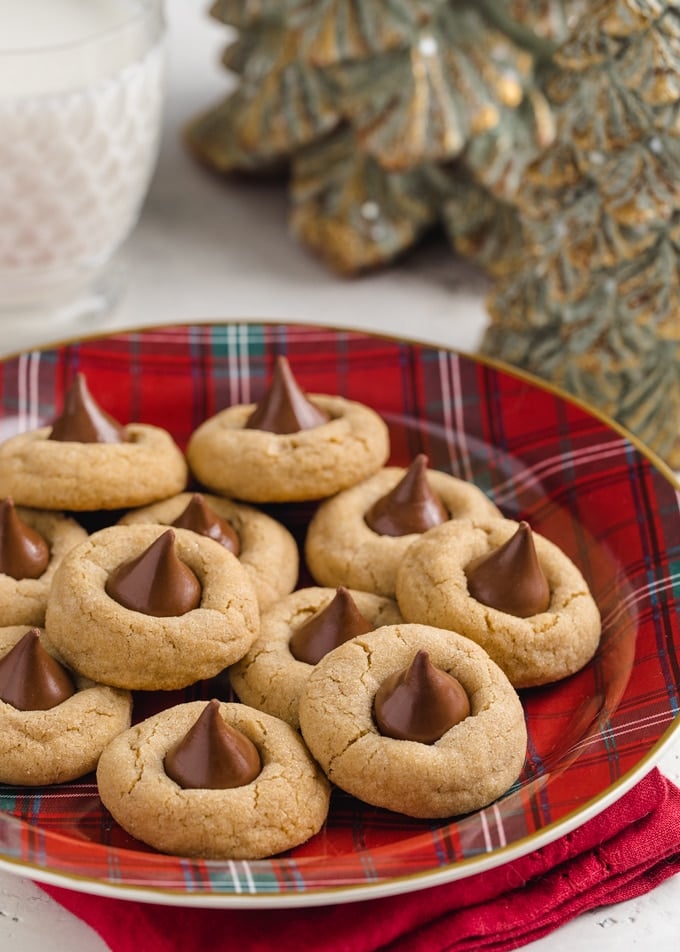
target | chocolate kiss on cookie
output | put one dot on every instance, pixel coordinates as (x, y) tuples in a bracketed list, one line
[(31, 679), (156, 582), (199, 517), (82, 420), (23, 552), (213, 755), (410, 507), (510, 578), (420, 702), (334, 624), (285, 407)]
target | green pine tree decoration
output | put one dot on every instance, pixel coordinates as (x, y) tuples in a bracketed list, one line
[(391, 116), (541, 134), (593, 302)]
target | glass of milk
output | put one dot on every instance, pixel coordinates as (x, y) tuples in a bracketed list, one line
[(81, 92)]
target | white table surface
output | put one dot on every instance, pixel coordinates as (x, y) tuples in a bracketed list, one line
[(206, 249)]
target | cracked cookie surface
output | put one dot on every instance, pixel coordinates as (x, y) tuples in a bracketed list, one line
[(432, 589), (269, 677), (39, 748), (268, 551), (341, 549), (130, 649), (471, 765), (50, 474), (259, 466), (24, 601), (283, 806)]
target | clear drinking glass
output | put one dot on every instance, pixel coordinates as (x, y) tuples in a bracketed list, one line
[(81, 93)]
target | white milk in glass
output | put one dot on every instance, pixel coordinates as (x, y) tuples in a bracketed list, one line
[(81, 86)]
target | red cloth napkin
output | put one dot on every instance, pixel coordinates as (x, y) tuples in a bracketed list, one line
[(623, 852)]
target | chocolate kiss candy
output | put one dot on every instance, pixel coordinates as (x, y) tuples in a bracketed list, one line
[(511, 578), (82, 420), (339, 621), (213, 755), (285, 408), (199, 517), (420, 702), (410, 507), (31, 679), (156, 582), (23, 552)]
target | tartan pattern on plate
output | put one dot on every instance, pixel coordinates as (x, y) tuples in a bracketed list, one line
[(540, 457)]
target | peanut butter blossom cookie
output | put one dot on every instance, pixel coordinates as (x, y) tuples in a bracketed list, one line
[(290, 446), (151, 608), (294, 635), (265, 548), (54, 723), (416, 720), (85, 460), (359, 537), (216, 780), (32, 544), (509, 589)]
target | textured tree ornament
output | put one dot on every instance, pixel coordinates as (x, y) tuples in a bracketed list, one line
[(478, 210), (594, 302), (541, 134), (379, 108)]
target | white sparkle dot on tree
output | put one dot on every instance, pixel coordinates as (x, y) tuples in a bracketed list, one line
[(428, 46), (370, 211)]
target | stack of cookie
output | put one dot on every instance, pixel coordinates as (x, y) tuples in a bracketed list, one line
[(394, 676)]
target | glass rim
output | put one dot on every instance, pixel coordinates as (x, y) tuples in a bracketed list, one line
[(140, 11)]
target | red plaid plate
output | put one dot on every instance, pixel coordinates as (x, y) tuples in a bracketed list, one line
[(541, 457)]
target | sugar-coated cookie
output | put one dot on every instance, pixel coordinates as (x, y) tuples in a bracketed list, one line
[(47, 474), (86, 460), (62, 743), (342, 549), (469, 766), (267, 551), (433, 589), (128, 648), (23, 601), (269, 677), (260, 466), (283, 806)]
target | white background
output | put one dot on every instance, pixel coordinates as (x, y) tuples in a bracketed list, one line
[(206, 248)]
